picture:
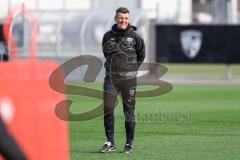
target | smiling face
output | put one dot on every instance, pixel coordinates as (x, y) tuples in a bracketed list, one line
[(122, 20)]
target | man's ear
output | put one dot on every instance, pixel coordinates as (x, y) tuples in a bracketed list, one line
[(115, 18)]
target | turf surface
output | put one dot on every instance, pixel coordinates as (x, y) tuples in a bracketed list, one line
[(192, 122)]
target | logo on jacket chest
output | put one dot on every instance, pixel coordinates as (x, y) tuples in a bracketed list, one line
[(119, 43), (129, 39)]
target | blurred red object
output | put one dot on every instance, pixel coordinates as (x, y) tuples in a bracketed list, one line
[(27, 104)]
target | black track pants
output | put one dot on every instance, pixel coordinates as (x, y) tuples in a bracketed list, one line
[(127, 88)]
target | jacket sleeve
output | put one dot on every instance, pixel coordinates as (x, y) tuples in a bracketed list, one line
[(140, 48), (104, 40)]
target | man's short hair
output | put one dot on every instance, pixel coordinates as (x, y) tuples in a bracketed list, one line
[(121, 10)]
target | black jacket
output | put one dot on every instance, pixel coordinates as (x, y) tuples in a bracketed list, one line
[(124, 50)]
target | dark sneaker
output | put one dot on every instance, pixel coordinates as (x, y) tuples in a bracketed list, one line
[(128, 148), (107, 147)]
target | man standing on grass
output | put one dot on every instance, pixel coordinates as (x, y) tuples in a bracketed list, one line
[(124, 51)]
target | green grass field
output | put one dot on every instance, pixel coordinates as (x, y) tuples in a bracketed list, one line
[(202, 69), (192, 122)]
